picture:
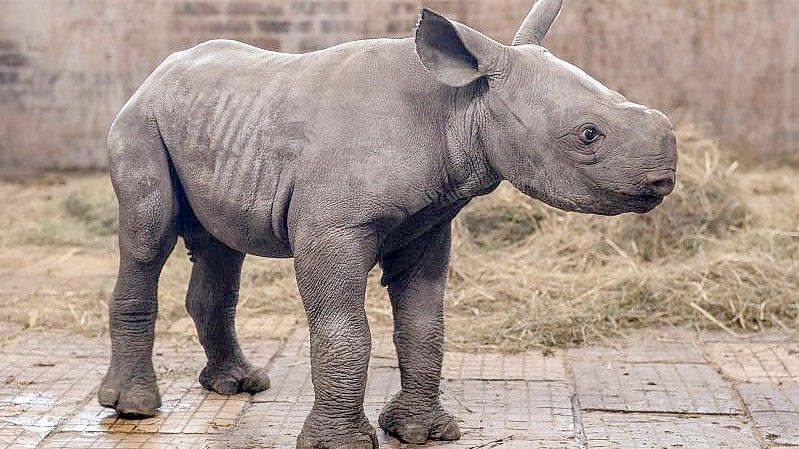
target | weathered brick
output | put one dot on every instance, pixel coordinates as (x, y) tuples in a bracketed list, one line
[(319, 7), (254, 8), (399, 26), (404, 7), (230, 26), (310, 44), (13, 60), (8, 44), (337, 26), (9, 77), (267, 43), (304, 27), (443, 6), (197, 8), (274, 26)]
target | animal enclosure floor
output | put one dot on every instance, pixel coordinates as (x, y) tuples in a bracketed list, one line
[(659, 389)]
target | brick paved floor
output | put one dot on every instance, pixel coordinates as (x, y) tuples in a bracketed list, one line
[(658, 389)]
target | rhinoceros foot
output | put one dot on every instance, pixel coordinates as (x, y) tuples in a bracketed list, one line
[(236, 378), (417, 421), (322, 433), (132, 395)]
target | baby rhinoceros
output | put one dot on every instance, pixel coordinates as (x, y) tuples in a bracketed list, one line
[(344, 158)]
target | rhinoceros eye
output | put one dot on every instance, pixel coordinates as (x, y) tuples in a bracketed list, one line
[(589, 134)]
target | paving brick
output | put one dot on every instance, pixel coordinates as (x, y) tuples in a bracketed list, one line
[(50, 379), (44, 377), (756, 362), (641, 431), (520, 409), (13, 436), (40, 391), (487, 410), (655, 387), (514, 412), (775, 410), (48, 382), (72, 440), (187, 408), (528, 366)]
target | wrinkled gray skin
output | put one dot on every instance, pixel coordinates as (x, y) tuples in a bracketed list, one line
[(344, 158)]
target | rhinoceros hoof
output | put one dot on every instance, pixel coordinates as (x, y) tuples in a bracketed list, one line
[(132, 396), (322, 434), (232, 379), (416, 423)]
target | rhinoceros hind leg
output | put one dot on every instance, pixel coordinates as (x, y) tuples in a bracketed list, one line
[(148, 212), (211, 302)]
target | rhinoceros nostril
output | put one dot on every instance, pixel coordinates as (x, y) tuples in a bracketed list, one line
[(660, 183)]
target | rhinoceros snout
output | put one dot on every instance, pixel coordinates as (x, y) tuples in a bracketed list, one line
[(660, 183)]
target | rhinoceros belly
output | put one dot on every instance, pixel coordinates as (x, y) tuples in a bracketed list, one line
[(234, 153)]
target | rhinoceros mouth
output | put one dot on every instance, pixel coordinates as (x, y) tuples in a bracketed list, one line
[(643, 203)]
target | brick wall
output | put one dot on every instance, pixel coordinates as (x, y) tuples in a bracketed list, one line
[(67, 66)]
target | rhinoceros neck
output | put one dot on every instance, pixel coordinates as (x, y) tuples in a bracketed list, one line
[(469, 171)]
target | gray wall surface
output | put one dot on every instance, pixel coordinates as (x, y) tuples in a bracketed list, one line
[(66, 67)]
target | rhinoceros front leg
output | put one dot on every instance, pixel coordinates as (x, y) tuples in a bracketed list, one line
[(331, 275), (416, 277)]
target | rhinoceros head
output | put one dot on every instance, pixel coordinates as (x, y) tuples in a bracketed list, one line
[(546, 126)]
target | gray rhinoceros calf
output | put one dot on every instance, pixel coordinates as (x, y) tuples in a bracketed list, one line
[(344, 158)]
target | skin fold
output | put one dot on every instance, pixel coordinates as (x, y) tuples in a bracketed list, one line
[(357, 155)]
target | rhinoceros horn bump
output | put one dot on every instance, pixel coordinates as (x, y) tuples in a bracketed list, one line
[(538, 21)]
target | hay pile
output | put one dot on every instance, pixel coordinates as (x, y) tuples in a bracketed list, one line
[(524, 274)]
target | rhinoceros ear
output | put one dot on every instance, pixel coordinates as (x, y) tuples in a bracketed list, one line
[(454, 53)]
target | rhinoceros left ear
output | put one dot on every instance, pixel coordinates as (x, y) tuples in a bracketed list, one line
[(454, 53)]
